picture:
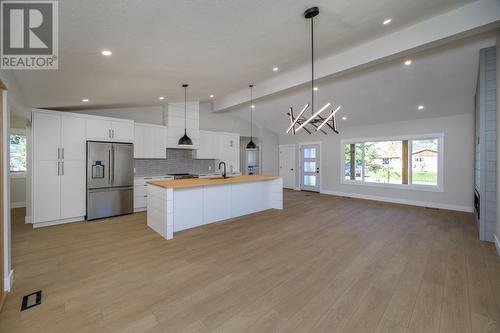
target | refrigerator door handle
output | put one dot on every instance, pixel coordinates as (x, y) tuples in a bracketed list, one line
[(114, 166), (62, 168), (58, 168), (109, 166)]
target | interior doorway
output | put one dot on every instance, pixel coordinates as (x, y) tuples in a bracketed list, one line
[(287, 165)]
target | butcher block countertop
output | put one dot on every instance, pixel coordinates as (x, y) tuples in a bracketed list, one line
[(198, 182)]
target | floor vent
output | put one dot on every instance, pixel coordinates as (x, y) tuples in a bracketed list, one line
[(36, 297)]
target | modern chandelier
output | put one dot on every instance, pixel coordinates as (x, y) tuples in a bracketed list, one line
[(316, 120)]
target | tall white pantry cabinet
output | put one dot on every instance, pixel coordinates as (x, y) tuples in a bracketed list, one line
[(58, 185)]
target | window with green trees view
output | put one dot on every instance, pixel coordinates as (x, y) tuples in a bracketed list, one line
[(17, 153), (411, 161)]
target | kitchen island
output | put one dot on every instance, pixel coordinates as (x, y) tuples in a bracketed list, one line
[(175, 205)]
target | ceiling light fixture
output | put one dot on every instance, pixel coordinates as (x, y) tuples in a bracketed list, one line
[(185, 141), (344, 118), (275, 69), (421, 107), (85, 100), (161, 98), (211, 96), (251, 145), (315, 120), (386, 22), (408, 62), (106, 53)]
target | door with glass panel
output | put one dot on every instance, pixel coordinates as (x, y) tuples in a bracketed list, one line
[(309, 168)]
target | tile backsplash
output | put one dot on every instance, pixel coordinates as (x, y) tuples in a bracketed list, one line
[(177, 161)]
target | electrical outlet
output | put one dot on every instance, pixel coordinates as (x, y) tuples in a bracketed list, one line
[(209, 168)]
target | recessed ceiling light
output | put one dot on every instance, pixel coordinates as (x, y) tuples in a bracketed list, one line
[(408, 62), (85, 100), (275, 69), (106, 53), (344, 118), (212, 96), (161, 98), (421, 107), (387, 21), (315, 88), (252, 106)]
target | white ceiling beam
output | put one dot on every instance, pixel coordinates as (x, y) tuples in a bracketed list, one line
[(457, 23)]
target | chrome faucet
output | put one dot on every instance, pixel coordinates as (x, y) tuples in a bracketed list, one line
[(224, 172)]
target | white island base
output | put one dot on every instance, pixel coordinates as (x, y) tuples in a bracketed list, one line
[(172, 208)]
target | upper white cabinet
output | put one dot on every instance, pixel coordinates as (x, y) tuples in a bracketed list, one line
[(150, 141), (208, 147), (229, 147), (58, 183), (109, 129), (176, 122)]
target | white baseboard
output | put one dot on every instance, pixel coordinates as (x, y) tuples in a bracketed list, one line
[(468, 209), (57, 222), (27, 219), (17, 204), (141, 209), (497, 244), (8, 282)]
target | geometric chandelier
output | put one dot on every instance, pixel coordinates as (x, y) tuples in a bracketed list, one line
[(317, 121)]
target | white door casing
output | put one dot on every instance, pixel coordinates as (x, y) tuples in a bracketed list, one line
[(287, 165)]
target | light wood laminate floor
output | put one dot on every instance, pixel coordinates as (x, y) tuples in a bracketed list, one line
[(323, 264)]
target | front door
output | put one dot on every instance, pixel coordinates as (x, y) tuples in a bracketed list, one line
[(309, 168), (287, 166)]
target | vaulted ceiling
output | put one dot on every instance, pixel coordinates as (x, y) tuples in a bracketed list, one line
[(216, 46)]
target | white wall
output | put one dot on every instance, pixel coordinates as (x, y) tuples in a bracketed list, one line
[(146, 114), (497, 233), (210, 121), (15, 102), (458, 161)]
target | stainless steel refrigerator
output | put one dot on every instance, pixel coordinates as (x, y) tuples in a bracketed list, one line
[(110, 179)]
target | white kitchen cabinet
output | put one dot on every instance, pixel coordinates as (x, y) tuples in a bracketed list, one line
[(229, 146), (208, 147), (46, 191), (122, 130), (109, 129), (58, 183), (176, 122), (141, 193), (150, 141)]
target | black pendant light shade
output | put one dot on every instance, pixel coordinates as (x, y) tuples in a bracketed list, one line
[(185, 141), (251, 145)]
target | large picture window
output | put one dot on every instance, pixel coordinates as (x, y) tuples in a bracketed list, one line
[(407, 162)]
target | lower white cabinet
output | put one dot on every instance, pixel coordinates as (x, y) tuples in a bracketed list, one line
[(73, 189), (46, 191), (141, 191), (150, 141)]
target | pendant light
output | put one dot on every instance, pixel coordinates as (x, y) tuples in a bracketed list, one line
[(251, 145), (316, 120), (185, 141)]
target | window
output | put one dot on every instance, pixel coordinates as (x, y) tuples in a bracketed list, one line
[(412, 162), (17, 152)]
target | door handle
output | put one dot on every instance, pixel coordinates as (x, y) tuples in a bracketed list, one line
[(291, 169), (113, 131), (109, 133), (58, 153), (62, 168), (58, 168), (109, 166), (62, 153)]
